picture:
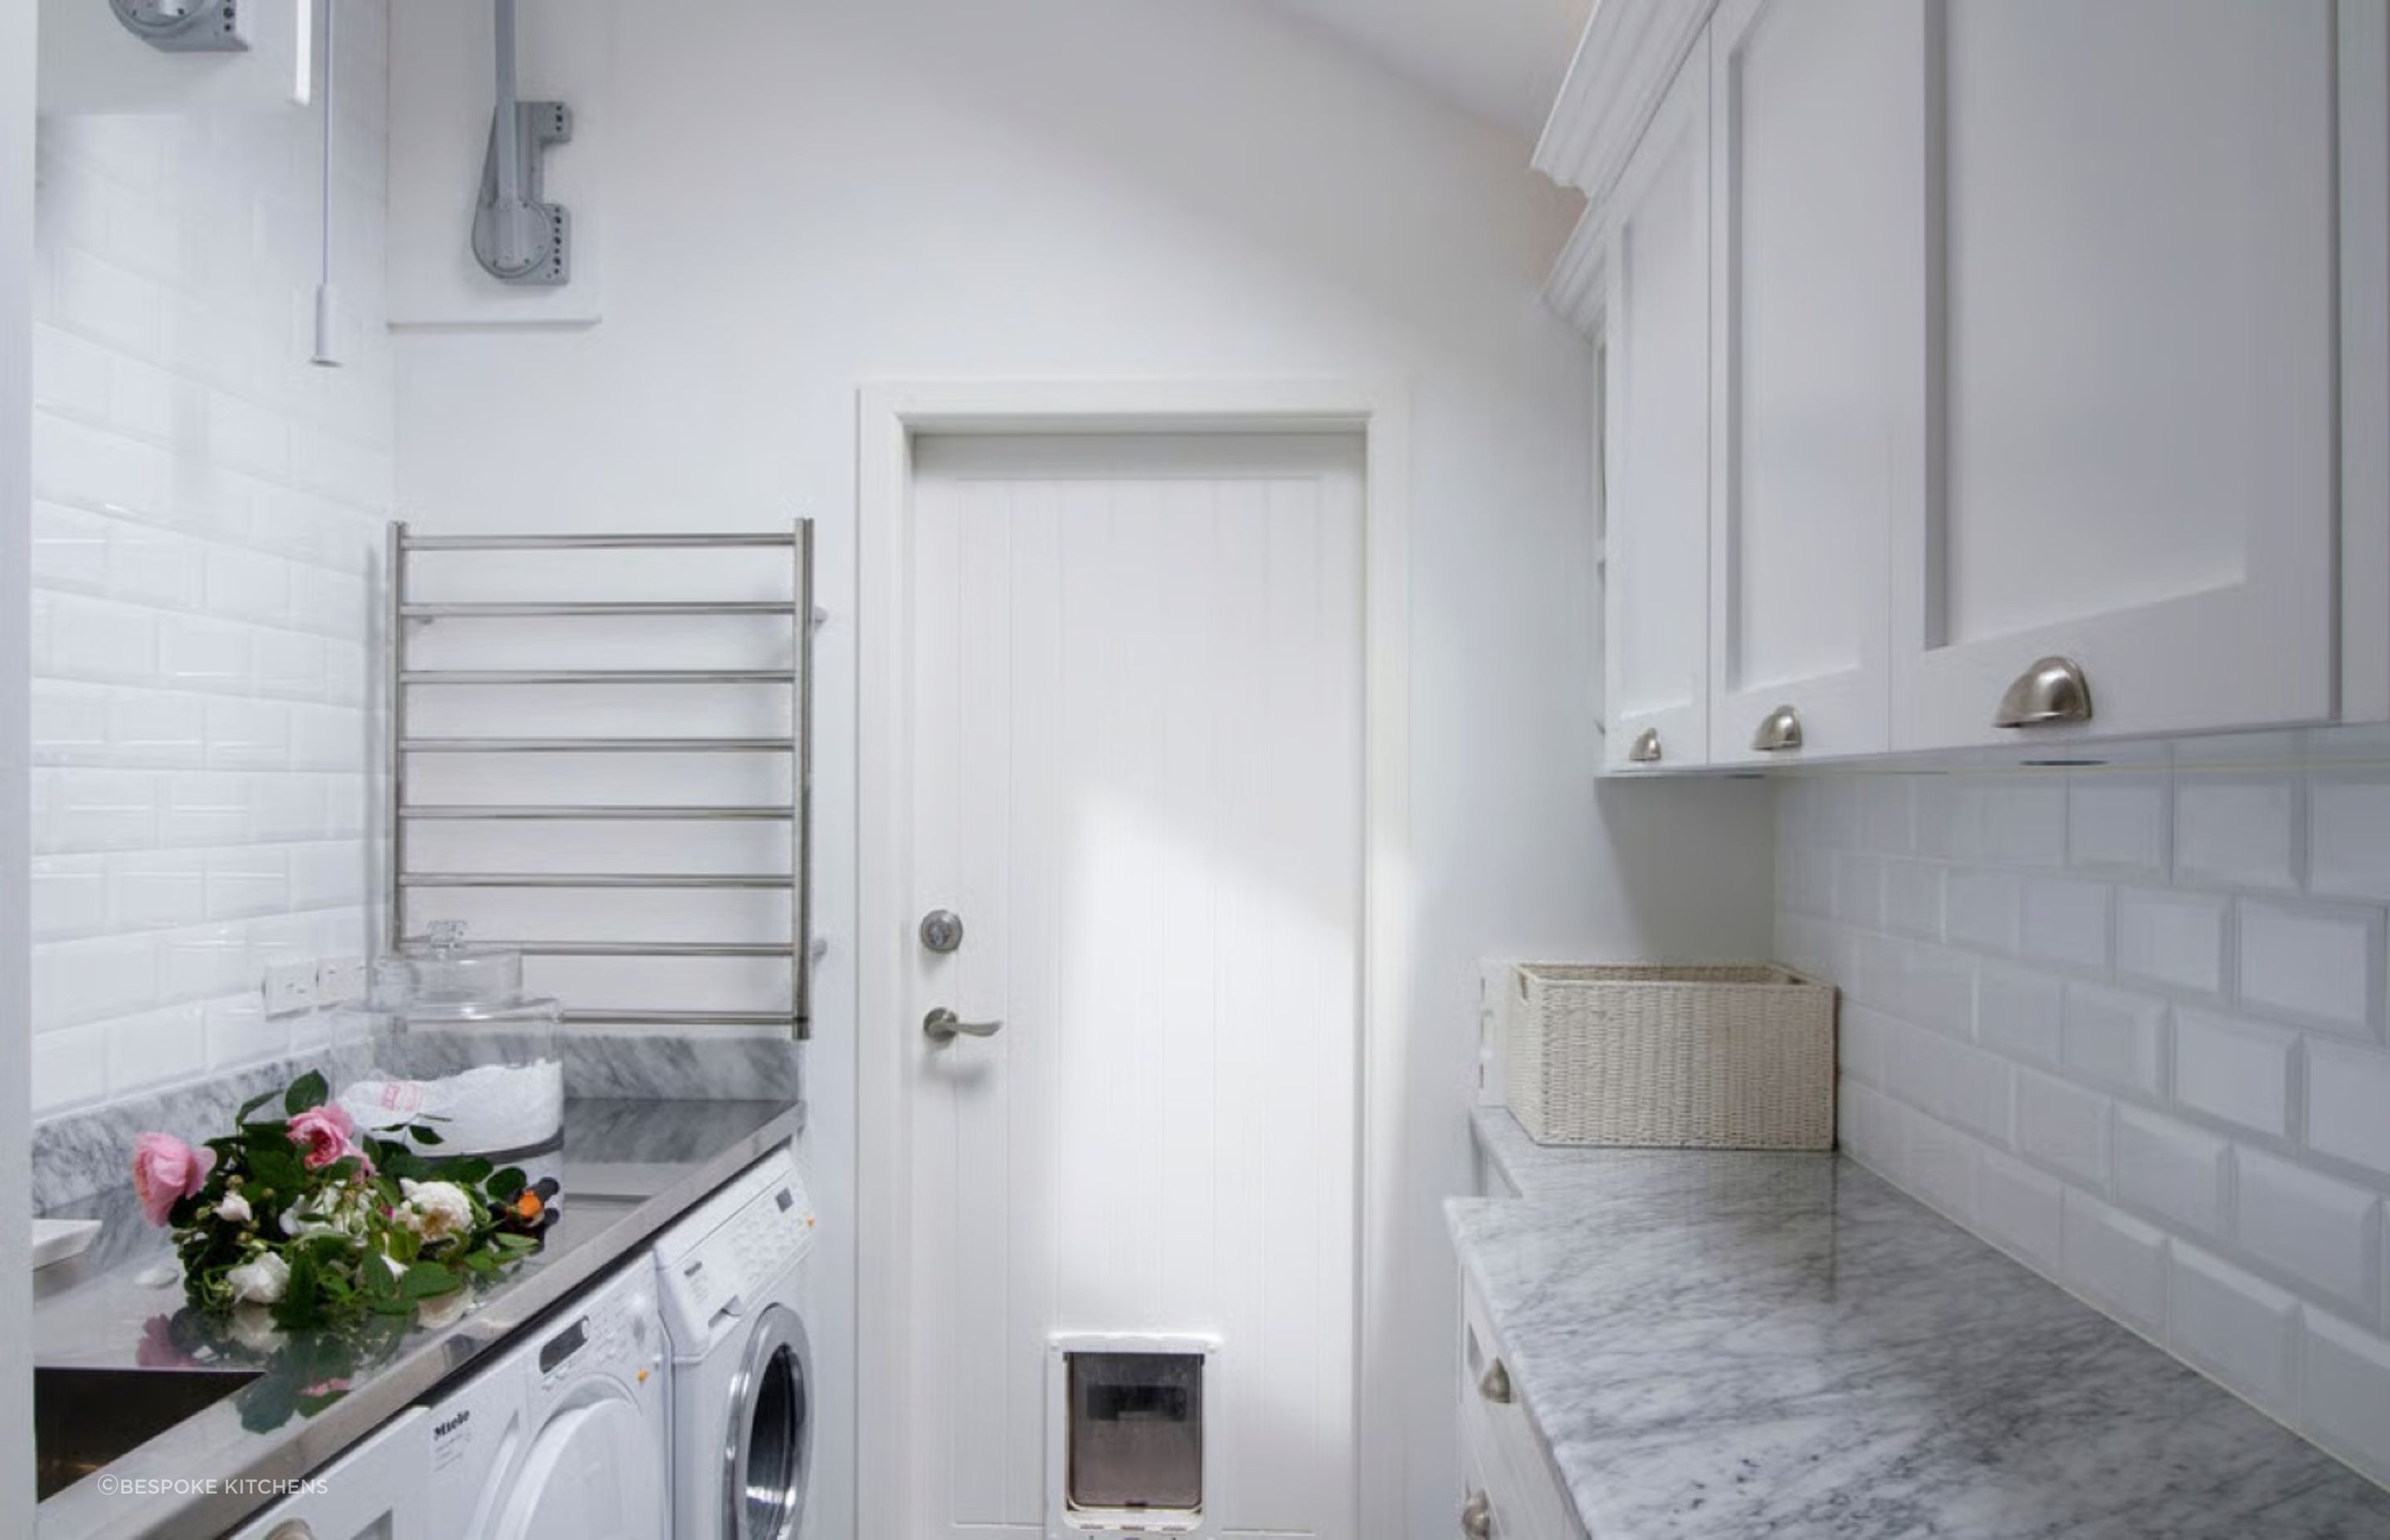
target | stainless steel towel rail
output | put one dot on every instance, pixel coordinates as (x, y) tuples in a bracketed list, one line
[(520, 609), (406, 613), (597, 745), (599, 676), (586, 812)]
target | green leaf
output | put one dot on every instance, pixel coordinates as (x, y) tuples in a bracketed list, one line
[(424, 1134), (515, 1242), (308, 1091), (251, 1105), (505, 1184), (426, 1280)]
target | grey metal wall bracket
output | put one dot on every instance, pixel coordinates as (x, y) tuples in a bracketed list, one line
[(184, 26), (545, 242)]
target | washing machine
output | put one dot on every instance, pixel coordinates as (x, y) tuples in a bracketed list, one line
[(373, 1492), (733, 1280), (566, 1436)]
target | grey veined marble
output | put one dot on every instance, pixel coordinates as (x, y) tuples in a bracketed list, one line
[(1729, 1345)]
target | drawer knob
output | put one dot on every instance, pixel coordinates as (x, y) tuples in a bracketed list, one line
[(2052, 691), (1779, 730), (1477, 1518), (1645, 749), (1494, 1385)]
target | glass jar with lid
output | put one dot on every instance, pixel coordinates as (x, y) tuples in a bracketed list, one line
[(456, 1045)]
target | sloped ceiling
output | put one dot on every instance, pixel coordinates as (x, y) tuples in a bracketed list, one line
[(1501, 60)]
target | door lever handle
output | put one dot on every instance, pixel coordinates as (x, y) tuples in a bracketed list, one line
[(943, 1026)]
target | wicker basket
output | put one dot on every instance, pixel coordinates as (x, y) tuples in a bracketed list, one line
[(1716, 1057)]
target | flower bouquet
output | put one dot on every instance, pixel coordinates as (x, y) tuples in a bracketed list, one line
[(300, 1216)]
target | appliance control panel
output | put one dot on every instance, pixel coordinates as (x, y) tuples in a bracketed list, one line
[(722, 1259), (612, 1329)]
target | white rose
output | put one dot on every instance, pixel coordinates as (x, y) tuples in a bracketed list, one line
[(436, 1210), (233, 1208), (253, 1327), (444, 1309), (260, 1281)]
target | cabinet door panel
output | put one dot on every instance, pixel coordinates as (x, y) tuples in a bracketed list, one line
[(1808, 235), (1656, 583), (2128, 446)]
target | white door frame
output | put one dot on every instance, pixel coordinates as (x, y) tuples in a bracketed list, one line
[(888, 418)]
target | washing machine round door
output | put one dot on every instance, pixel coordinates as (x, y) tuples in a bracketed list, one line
[(594, 1473), (768, 1444)]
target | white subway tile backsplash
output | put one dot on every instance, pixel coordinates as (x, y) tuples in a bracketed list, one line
[(2118, 825), (2348, 1103), (2021, 1207), (1887, 815), (87, 981), (1981, 909), (155, 889), (202, 553), (2063, 1125), (69, 895), (2239, 1071), (2240, 1328), (2324, 1232), (1859, 891), (2021, 1013), (2316, 963), (2025, 821), (1913, 898), (2229, 832), (2115, 1038), (155, 1047), (2066, 921), (2348, 834), (70, 1066), (2116, 1259), (2173, 939), (2160, 1075), (1948, 813), (2344, 1392), (2170, 1169)]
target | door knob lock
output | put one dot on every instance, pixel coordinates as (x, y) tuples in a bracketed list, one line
[(943, 1026), (942, 930)]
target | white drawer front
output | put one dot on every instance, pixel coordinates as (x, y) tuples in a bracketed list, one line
[(1522, 1485)]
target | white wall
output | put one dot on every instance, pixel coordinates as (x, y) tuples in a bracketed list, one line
[(16, 1096), (2127, 1023), (207, 511), (808, 198)]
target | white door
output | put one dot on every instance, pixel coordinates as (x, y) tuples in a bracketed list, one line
[(1136, 719), (1808, 240), (1656, 580), (2129, 456)]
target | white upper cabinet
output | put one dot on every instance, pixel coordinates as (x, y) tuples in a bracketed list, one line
[(1958, 344), (2124, 229), (1808, 260), (1657, 401)]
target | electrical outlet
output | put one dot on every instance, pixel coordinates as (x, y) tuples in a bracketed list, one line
[(289, 988), (340, 982)]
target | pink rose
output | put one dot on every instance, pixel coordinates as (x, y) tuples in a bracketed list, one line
[(166, 1171), (323, 1135), (157, 1350)]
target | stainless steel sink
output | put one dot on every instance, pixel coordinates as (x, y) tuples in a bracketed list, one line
[(85, 1419)]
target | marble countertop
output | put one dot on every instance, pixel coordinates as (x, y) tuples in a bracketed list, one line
[(1725, 1344), (630, 1168)]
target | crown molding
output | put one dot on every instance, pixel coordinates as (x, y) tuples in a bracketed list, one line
[(1630, 51), (1575, 289)]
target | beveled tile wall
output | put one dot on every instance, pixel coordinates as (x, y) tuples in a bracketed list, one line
[(2127, 1023), (209, 510)]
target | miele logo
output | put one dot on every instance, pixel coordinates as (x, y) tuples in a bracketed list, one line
[(442, 1430)]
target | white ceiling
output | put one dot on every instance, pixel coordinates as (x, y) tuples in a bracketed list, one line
[(1500, 60)]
